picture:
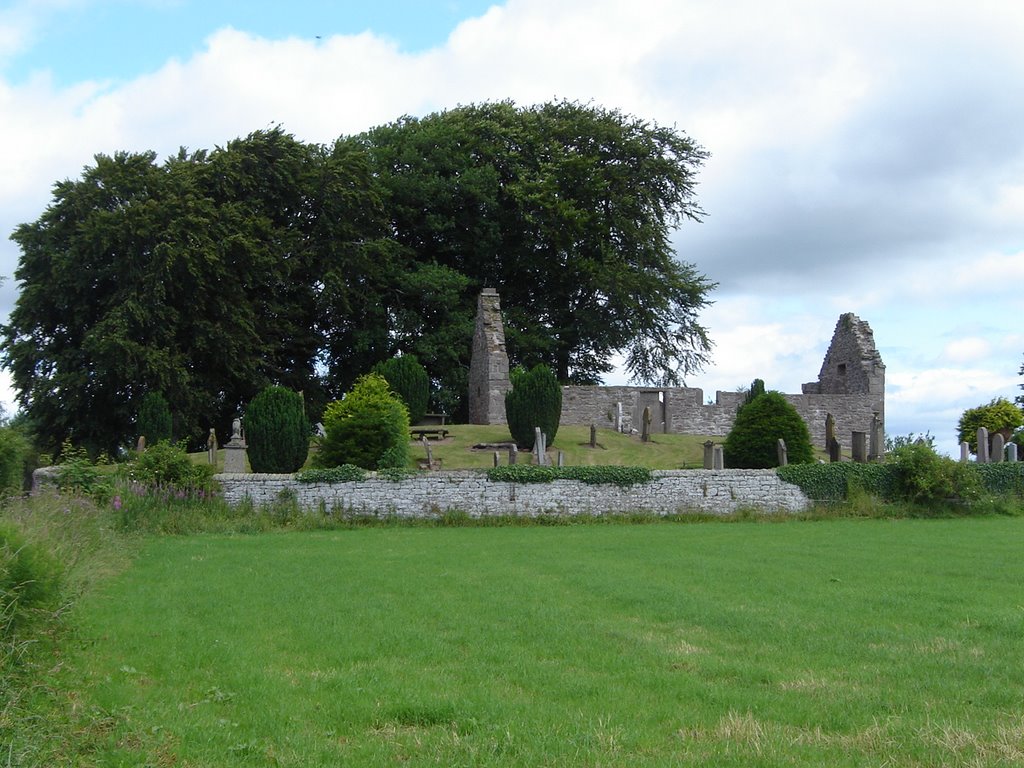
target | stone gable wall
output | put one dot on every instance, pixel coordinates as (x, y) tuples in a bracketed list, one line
[(431, 495)]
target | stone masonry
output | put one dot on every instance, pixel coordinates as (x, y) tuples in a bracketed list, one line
[(850, 387), (488, 369), (431, 495)]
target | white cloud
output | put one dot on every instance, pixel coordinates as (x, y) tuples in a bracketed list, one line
[(866, 157)]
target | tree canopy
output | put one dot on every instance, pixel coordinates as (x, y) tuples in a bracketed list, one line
[(215, 274), (999, 415)]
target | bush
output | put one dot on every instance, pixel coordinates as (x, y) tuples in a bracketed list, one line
[(277, 431), (921, 476), (167, 466), (535, 400), (77, 474), (346, 473), (14, 456), (29, 581), (154, 419), (408, 380), (752, 442), (834, 481), (368, 428)]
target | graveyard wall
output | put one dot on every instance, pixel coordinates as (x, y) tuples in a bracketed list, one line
[(431, 495), (683, 410)]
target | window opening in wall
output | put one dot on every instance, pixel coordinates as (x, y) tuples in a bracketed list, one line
[(842, 369)]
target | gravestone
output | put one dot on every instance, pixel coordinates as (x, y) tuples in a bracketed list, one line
[(513, 454), (497, 459), (718, 457), (593, 436), (830, 429), (561, 458), (1011, 452), (875, 438), (488, 367), (834, 450), (645, 435), (982, 445), (540, 447), (709, 454), (783, 456), (998, 448), (234, 450), (211, 447), (965, 451), (859, 447), (618, 417)]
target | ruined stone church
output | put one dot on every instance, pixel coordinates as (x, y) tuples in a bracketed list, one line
[(850, 388)]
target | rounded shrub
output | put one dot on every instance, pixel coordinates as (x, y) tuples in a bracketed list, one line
[(368, 428), (409, 380), (277, 431), (167, 466), (535, 400), (752, 442), (154, 419)]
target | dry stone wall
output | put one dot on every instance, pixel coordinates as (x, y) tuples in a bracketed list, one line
[(432, 495)]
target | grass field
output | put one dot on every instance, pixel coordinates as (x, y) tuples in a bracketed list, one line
[(840, 642)]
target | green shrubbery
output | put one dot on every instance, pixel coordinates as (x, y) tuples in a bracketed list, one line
[(168, 467), (154, 419), (535, 400), (592, 475), (753, 441), (14, 456), (346, 473), (368, 428), (277, 431), (409, 380)]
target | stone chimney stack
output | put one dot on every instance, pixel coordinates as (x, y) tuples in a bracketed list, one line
[(488, 368)]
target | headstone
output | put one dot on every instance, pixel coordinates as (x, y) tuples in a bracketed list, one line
[(780, 447), (618, 417), (540, 447), (982, 445), (1011, 452), (645, 435), (211, 447), (140, 446), (429, 450), (965, 451), (561, 458), (497, 459), (593, 436), (998, 448), (488, 367), (709, 454), (875, 438), (513, 454), (234, 450), (718, 461), (859, 447), (834, 450), (830, 429)]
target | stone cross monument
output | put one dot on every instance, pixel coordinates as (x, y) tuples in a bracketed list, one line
[(488, 368)]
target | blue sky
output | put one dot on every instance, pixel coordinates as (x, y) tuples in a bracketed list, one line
[(865, 157), (118, 39)]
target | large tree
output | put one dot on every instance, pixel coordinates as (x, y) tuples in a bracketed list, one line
[(268, 261), (199, 278), (567, 210)]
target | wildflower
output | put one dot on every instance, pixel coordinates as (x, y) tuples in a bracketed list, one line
[(117, 502)]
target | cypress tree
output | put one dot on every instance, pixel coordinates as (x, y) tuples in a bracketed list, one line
[(277, 431), (409, 380), (535, 400), (154, 419)]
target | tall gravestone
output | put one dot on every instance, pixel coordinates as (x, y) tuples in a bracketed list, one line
[(488, 367)]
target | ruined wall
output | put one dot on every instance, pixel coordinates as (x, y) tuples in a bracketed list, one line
[(850, 387)]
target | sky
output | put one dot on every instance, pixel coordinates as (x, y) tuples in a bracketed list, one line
[(865, 157)]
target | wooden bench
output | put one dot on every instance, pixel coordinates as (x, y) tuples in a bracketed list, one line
[(431, 433)]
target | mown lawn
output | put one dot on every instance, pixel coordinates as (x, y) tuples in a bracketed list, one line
[(841, 642)]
